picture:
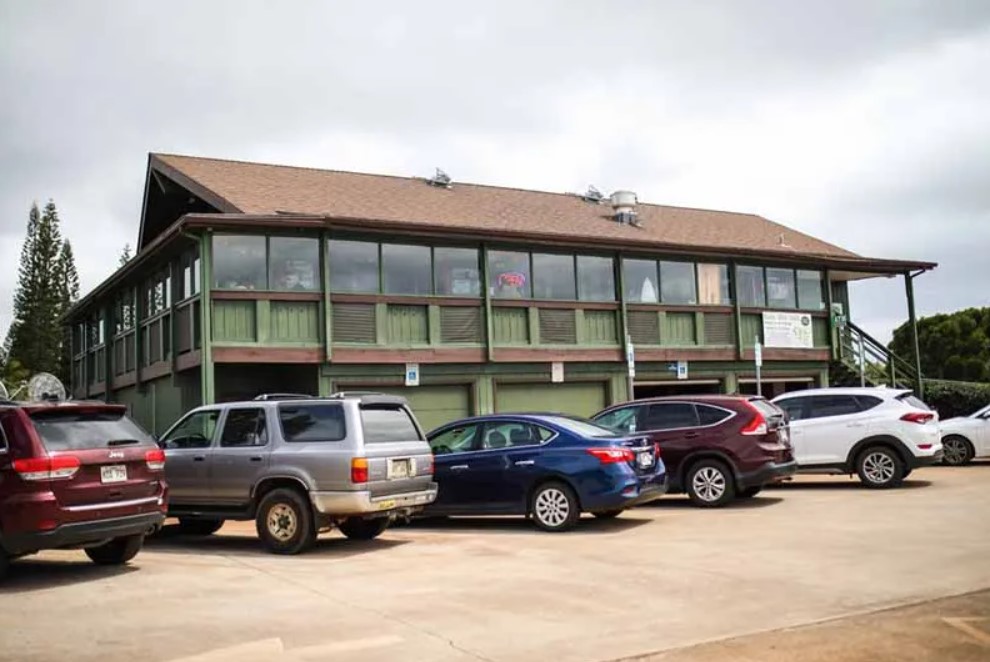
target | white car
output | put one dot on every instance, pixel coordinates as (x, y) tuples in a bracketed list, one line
[(882, 434), (966, 437)]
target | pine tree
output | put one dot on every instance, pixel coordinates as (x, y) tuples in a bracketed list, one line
[(68, 279), (125, 255), (47, 280)]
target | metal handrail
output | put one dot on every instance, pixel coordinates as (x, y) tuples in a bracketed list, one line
[(870, 358)]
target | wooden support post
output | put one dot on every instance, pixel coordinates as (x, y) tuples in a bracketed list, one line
[(736, 309), (913, 320), (207, 383), (487, 294)]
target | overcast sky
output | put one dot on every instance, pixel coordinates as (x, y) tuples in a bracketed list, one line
[(864, 123)]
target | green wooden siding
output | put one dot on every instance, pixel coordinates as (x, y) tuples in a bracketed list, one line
[(752, 327), (435, 405), (408, 325), (599, 328), (235, 321), (582, 399), (678, 329), (510, 326), (295, 322), (819, 327)]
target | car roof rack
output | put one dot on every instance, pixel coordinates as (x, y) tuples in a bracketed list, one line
[(370, 397), (285, 396)]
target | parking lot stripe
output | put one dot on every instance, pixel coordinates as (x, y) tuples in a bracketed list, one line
[(963, 625)]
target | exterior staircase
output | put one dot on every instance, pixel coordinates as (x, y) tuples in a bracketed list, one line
[(862, 360)]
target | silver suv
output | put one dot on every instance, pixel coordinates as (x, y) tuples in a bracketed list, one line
[(298, 465)]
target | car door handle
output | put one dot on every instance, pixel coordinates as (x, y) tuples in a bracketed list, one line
[(854, 425), (199, 458), (459, 467), (255, 458), (525, 463), (692, 435)]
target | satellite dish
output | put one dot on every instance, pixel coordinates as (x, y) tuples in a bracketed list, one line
[(45, 387), (4, 394)]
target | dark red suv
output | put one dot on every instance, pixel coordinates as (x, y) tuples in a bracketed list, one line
[(77, 475), (716, 447)]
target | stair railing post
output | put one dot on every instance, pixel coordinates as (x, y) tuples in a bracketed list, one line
[(862, 360), (893, 371)]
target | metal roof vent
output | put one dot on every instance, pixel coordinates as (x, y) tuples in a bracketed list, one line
[(593, 195), (624, 207), (440, 179)]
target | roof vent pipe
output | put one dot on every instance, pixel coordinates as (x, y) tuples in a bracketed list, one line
[(624, 207)]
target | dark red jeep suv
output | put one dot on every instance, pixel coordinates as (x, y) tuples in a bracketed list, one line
[(77, 475), (716, 447)]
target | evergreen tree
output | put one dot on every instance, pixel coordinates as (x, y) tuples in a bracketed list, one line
[(68, 278), (125, 255), (47, 283)]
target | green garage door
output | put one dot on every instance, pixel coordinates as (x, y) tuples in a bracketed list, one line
[(435, 405), (578, 399)]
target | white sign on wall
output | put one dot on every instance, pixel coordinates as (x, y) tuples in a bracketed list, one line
[(556, 372), (790, 330), (412, 374), (682, 369)]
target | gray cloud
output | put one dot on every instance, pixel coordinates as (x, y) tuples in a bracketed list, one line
[(861, 122)]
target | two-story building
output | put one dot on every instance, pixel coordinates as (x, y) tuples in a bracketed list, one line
[(254, 278)]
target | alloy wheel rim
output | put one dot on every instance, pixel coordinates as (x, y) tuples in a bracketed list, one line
[(709, 484), (955, 451), (282, 522), (552, 507), (878, 467)]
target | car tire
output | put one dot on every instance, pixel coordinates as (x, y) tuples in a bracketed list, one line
[(285, 522), (609, 514), (356, 528), (116, 552), (554, 507), (710, 484), (749, 492), (4, 565), (192, 526), (880, 467), (957, 451)]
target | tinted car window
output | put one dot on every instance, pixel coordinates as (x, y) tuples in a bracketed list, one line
[(460, 439), (385, 424), (244, 427), (671, 415), (195, 431), (711, 415), (3, 438), (67, 430), (822, 406), (867, 402), (312, 422), (505, 435), (794, 408), (621, 420)]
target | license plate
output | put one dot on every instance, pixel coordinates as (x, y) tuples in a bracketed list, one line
[(386, 505), (645, 460), (116, 473), (783, 436), (400, 469)]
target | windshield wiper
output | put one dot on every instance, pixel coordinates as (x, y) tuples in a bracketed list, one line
[(122, 442)]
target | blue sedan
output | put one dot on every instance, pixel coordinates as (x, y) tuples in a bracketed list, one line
[(550, 467)]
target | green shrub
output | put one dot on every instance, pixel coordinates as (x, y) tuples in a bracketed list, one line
[(956, 398)]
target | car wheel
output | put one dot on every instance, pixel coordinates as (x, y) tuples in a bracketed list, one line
[(192, 526), (609, 514), (356, 528), (749, 492), (554, 507), (116, 552), (880, 467), (285, 522), (957, 451), (4, 564), (709, 484)]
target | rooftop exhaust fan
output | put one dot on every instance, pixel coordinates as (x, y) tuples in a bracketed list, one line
[(624, 207)]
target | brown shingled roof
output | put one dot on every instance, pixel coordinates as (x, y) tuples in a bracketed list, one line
[(256, 188)]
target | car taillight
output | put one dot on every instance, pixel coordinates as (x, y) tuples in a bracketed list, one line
[(155, 460), (612, 455), (359, 470), (47, 468), (656, 450), (919, 417), (758, 424)]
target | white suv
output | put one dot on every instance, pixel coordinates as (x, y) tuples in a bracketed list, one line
[(966, 437), (879, 433)]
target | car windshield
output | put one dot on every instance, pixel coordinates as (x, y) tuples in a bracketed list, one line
[(62, 430), (580, 426)]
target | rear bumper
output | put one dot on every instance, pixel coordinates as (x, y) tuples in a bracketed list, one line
[(634, 493), (766, 473), (362, 503), (81, 533), (915, 461)]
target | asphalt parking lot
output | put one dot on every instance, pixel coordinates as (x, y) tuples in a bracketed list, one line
[(813, 558)]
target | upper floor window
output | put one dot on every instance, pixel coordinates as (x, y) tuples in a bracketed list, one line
[(553, 277), (781, 289), (354, 266), (407, 269), (294, 264), (595, 278), (750, 287), (809, 290), (455, 272), (239, 262), (641, 281), (713, 285), (509, 275), (677, 283)]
